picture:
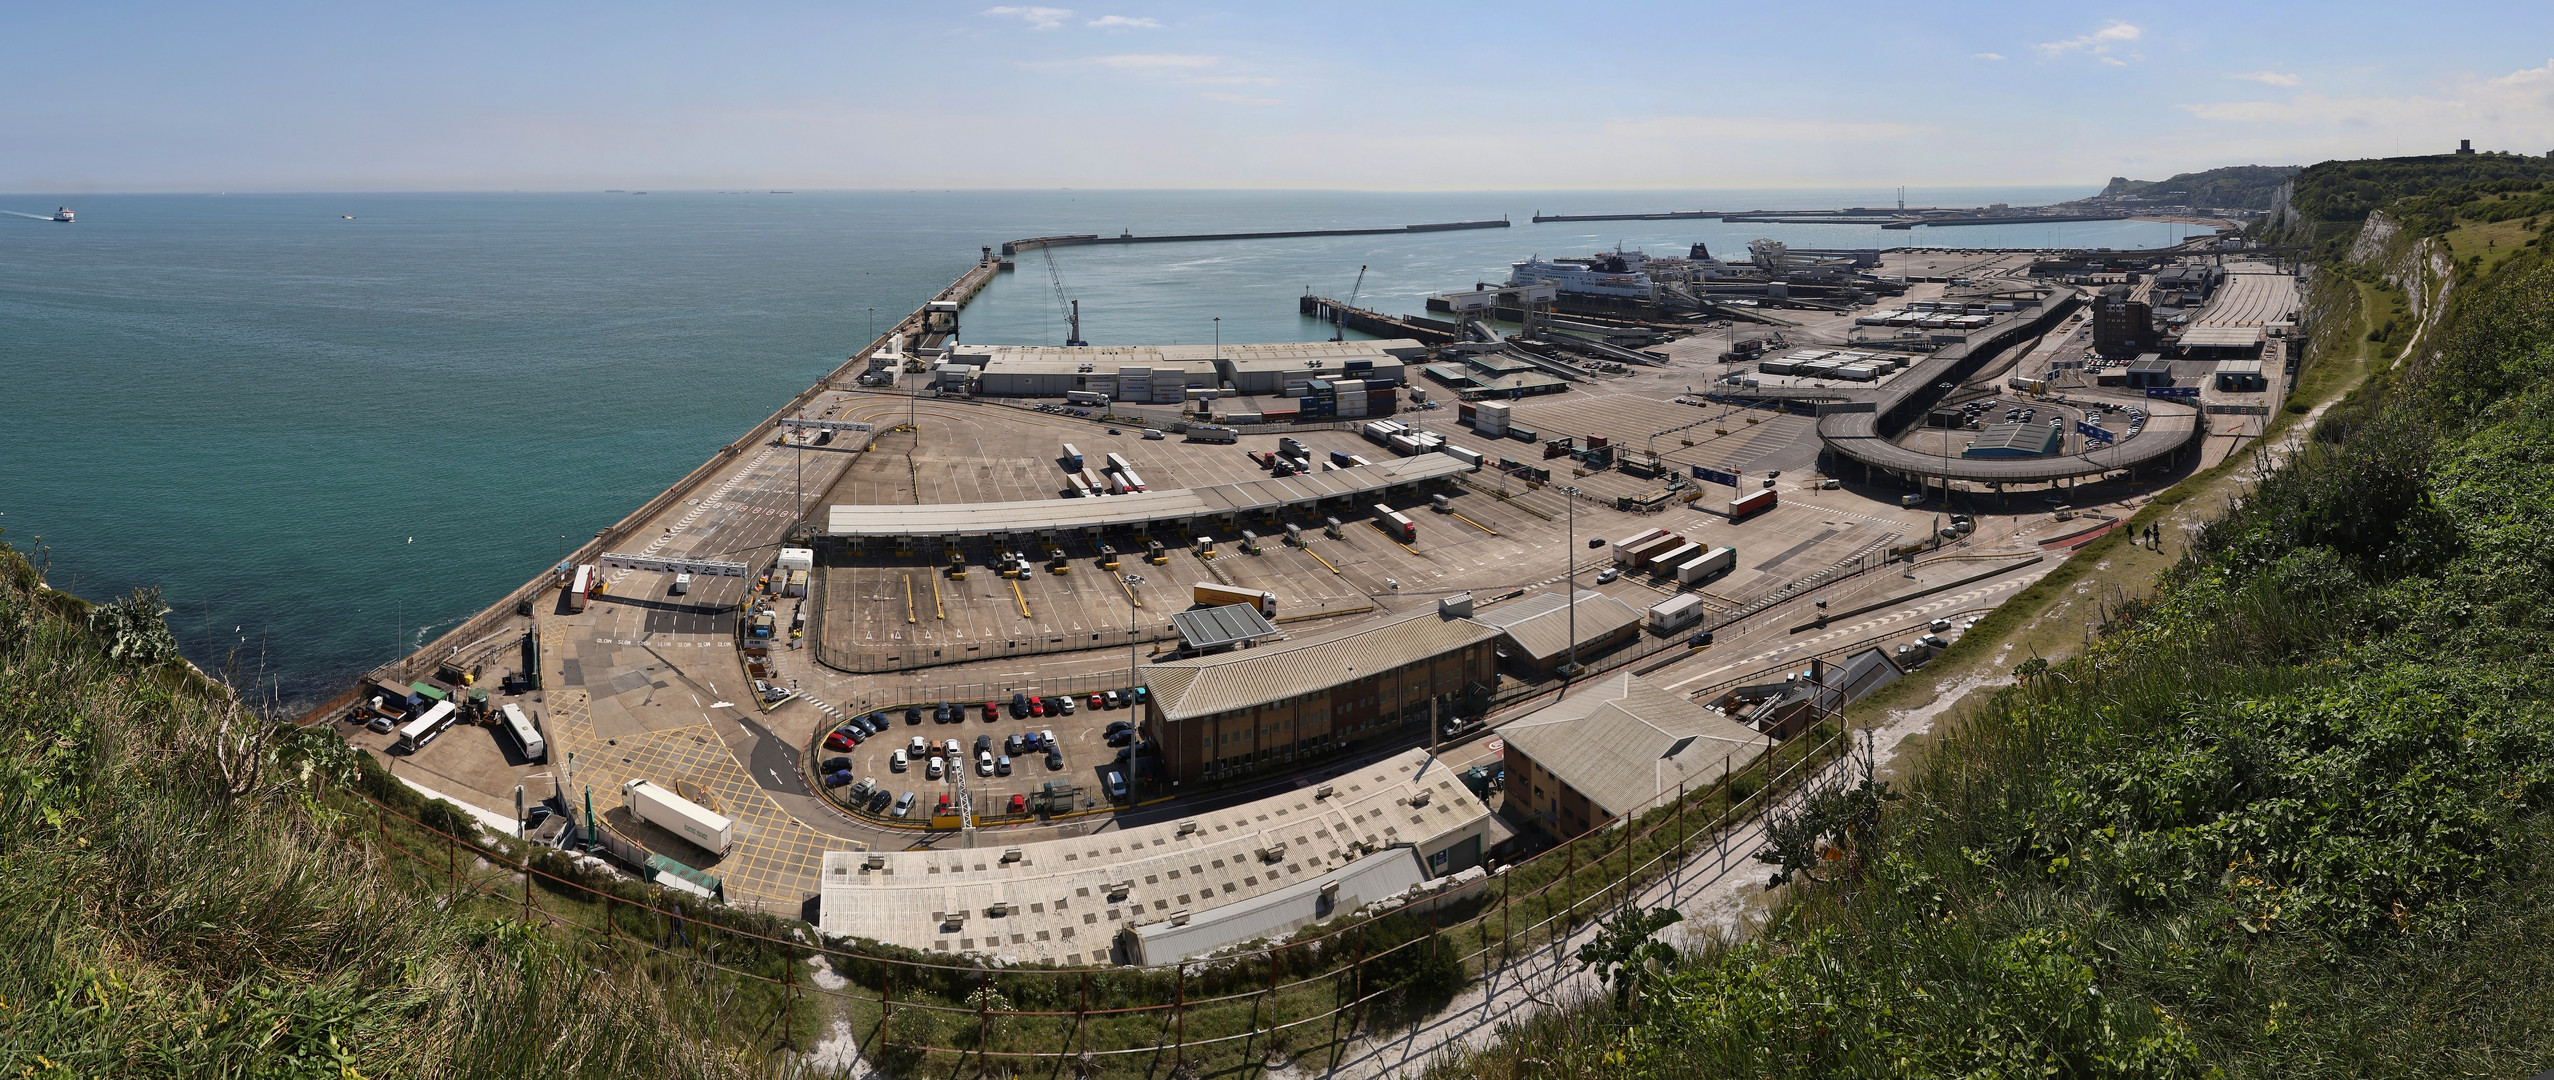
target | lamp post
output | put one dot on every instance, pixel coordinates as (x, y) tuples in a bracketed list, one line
[(1133, 580), (1946, 388)]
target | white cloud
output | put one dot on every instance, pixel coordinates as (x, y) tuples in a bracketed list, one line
[(2510, 111), (1124, 22), (1986, 56), (1038, 18), (2100, 42), (2269, 78), (1154, 63), (1665, 129), (1242, 99)]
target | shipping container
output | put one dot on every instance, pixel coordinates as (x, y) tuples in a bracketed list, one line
[(673, 813), (1716, 561), (1395, 524), (1213, 595), (1754, 502), (1525, 435), (583, 584), (1468, 457)]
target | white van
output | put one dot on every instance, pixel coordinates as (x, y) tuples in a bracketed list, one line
[(682, 584)]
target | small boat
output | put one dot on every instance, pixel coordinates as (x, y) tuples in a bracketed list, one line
[(346, 217), (63, 215)]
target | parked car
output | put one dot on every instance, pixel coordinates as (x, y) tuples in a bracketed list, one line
[(1120, 737), (1116, 726), (913, 714), (381, 725), (1700, 640), (1938, 625), (983, 743), (991, 713), (833, 763), (943, 808), (1002, 765), (1046, 738), (1019, 706), (878, 800), (940, 713), (838, 779), (918, 747), (1140, 696), (904, 805), (1116, 784), (839, 741), (1096, 703), (1037, 707), (1609, 574), (898, 761), (984, 764), (1065, 704), (1019, 804), (952, 747), (1054, 758), (1114, 701), (938, 766)]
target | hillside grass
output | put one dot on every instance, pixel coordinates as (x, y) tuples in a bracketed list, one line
[(2287, 816)]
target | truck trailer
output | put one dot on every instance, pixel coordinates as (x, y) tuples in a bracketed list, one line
[(1395, 524), (1751, 504), (1210, 594), (673, 813), (1719, 560)]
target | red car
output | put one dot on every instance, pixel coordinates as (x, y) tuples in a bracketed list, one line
[(1019, 804), (1097, 703), (1037, 706), (944, 804), (990, 713), (840, 740)]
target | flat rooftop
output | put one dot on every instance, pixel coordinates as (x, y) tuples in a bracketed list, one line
[(1059, 898), (1140, 508)]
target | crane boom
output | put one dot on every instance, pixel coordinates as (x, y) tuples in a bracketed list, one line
[(1341, 334), (1065, 304)]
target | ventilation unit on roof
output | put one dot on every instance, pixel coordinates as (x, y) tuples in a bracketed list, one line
[(876, 862)]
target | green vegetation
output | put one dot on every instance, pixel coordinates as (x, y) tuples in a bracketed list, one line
[(2243, 187), (2287, 816), (188, 890), (2427, 195)]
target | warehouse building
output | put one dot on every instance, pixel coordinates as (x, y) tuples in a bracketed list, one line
[(1536, 629), (1183, 888), (2015, 441), (1615, 748), (1215, 717), (1164, 374)]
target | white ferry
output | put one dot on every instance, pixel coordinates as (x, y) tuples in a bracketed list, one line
[(62, 215), (1613, 274)]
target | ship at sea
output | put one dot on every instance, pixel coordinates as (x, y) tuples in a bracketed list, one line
[(62, 214)]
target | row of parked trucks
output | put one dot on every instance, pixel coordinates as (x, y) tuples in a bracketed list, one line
[(1406, 441), (1670, 556), (1118, 477)]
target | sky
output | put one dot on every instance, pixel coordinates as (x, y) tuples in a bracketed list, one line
[(1480, 95)]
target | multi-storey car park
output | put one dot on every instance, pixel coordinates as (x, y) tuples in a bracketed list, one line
[(957, 557)]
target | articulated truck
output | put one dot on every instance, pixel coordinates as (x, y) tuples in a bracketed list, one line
[(1212, 595), (673, 813)]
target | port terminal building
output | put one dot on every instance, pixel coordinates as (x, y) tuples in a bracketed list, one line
[(1614, 748), (1378, 834), (1239, 713), (1169, 374), (1344, 493)]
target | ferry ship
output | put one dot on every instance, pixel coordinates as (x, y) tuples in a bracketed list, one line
[(1611, 274), (62, 214)]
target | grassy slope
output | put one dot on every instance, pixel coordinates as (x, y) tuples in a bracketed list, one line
[(2244, 186), (174, 906), (2285, 818)]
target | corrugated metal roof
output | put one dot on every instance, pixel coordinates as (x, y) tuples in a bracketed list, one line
[(986, 519), (1610, 742), (1539, 625), (1206, 685), (2230, 337), (1379, 876), (1216, 627)]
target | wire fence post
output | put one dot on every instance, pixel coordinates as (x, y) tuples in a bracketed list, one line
[(983, 1017), (1179, 1020), (1082, 1013), (1357, 1004), (1506, 881)]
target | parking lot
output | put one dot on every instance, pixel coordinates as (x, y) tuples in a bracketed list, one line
[(1076, 773)]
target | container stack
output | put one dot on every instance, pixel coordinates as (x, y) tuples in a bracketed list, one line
[(1490, 418)]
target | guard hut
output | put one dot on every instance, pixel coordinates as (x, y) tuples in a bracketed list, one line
[(2241, 377), (2149, 370)]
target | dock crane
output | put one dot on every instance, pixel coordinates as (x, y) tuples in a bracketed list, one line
[(1340, 318), (1065, 304)]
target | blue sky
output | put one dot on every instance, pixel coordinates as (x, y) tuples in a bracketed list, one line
[(187, 97)]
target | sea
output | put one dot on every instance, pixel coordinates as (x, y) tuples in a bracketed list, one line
[(328, 427)]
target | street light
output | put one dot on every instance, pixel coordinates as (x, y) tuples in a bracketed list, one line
[(1946, 452), (1132, 580)]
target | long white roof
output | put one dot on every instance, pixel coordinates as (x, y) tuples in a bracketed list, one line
[(1067, 515)]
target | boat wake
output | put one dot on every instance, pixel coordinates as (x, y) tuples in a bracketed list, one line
[(38, 217)]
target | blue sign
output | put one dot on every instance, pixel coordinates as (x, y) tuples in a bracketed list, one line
[(2172, 391), (2097, 434), (1715, 476)]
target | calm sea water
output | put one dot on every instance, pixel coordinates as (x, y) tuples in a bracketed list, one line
[(329, 439)]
